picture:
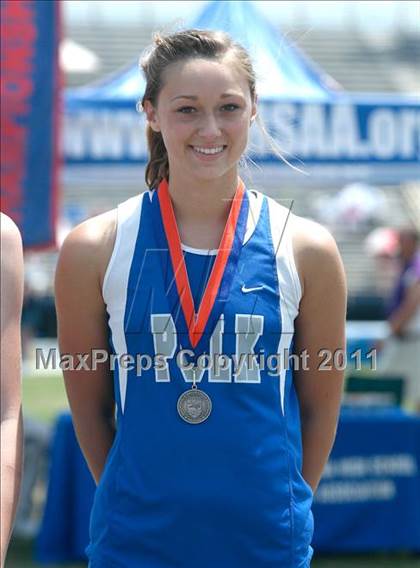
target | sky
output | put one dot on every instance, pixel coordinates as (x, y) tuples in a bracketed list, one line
[(370, 15)]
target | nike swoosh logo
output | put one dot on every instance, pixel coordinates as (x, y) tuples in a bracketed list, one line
[(254, 289)]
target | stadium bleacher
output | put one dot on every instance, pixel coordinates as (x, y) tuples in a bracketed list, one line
[(358, 61)]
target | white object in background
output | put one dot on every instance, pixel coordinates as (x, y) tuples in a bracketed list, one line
[(359, 203), (75, 58), (355, 206), (382, 241)]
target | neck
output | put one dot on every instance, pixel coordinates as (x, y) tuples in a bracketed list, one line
[(202, 201), (202, 207)]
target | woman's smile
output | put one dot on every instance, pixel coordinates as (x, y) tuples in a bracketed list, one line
[(208, 153)]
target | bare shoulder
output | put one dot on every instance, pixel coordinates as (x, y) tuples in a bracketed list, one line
[(11, 280), (315, 250), (10, 235), (311, 236), (89, 245), (11, 252)]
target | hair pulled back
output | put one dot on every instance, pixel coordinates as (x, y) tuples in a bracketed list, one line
[(180, 46)]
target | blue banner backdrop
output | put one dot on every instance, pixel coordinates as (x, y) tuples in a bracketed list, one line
[(380, 134), (370, 490), (29, 117)]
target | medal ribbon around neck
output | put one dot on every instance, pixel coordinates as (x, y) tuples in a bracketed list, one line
[(221, 276)]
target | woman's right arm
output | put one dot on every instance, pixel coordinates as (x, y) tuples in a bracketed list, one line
[(82, 327)]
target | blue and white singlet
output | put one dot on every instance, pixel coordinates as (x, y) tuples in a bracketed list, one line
[(227, 492)]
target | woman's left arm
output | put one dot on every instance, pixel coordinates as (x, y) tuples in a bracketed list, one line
[(320, 333)]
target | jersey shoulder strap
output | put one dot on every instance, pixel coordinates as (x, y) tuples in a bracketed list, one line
[(128, 226), (281, 222)]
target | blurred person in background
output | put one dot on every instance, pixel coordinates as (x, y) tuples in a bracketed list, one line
[(11, 405), (401, 350)]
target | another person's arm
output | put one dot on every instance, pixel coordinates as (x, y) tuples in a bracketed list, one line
[(320, 331), (11, 403), (82, 327)]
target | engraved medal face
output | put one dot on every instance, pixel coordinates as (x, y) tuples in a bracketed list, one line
[(194, 406)]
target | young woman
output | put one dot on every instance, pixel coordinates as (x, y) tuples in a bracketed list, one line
[(205, 446)]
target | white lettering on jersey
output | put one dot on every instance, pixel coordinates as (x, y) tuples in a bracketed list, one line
[(164, 342), (221, 369), (248, 328), (246, 369)]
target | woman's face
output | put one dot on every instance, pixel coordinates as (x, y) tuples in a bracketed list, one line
[(204, 111)]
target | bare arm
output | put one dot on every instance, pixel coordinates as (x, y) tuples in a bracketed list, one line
[(11, 404), (320, 325), (82, 327)]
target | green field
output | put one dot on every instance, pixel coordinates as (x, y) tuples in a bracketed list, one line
[(44, 396)]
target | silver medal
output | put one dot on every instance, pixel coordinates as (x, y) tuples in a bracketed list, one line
[(194, 406)]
